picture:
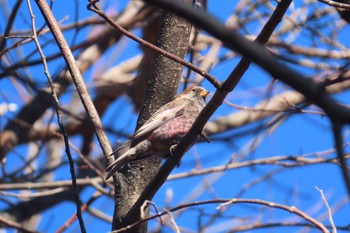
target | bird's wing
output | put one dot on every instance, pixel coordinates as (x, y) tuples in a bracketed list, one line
[(157, 120), (126, 145)]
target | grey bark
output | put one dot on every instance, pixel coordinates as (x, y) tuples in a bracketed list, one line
[(162, 84)]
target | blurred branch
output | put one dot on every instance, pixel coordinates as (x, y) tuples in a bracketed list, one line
[(345, 5), (283, 102), (48, 185), (285, 161), (14, 133), (309, 88), (96, 195), (6, 223), (10, 23), (338, 138)]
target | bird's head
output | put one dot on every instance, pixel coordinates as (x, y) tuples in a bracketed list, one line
[(194, 92)]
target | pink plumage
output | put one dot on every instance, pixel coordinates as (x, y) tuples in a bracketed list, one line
[(164, 129)]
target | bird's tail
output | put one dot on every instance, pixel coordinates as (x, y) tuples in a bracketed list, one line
[(132, 153), (120, 162)]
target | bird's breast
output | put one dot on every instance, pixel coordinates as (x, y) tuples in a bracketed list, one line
[(172, 132)]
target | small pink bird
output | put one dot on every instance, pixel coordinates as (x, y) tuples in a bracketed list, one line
[(164, 129)]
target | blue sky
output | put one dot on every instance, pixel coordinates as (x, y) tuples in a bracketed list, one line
[(299, 134)]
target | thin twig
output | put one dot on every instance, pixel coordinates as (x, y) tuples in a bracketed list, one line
[(77, 78), (328, 209), (224, 202), (59, 119), (74, 70), (172, 221)]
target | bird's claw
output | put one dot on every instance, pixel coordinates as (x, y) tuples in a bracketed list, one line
[(179, 163), (172, 149), (205, 136)]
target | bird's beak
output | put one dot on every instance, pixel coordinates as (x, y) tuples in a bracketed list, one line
[(204, 93)]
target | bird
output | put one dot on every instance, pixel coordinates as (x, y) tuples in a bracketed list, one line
[(160, 134)]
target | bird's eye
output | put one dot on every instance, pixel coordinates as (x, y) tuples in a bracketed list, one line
[(193, 90)]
